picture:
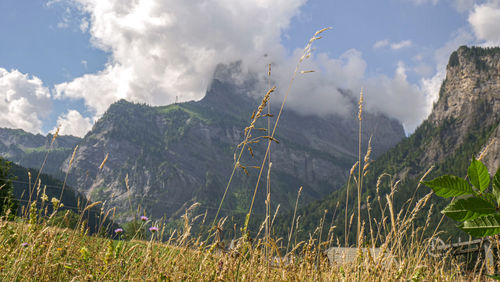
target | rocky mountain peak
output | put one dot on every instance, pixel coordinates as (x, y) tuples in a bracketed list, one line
[(472, 79), (468, 104)]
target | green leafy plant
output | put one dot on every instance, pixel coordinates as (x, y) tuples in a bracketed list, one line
[(477, 206)]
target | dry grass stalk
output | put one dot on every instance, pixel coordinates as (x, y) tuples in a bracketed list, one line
[(359, 180), (67, 171), (306, 54), (293, 219)]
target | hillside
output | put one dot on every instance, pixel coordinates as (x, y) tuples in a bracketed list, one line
[(26, 192), (183, 153), (29, 150), (463, 121)]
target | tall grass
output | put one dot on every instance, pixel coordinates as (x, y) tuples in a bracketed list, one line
[(32, 248), (39, 251)]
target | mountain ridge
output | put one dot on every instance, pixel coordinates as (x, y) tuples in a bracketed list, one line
[(190, 145)]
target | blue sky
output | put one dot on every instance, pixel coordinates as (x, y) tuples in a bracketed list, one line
[(63, 62)]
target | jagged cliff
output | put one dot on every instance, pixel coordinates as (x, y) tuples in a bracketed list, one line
[(464, 122), (182, 153), (469, 99)]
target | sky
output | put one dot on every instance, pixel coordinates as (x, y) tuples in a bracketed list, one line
[(63, 62)]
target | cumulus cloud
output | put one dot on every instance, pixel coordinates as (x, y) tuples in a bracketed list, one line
[(381, 43), (163, 49), (318, 92), (484, 20), (401, 44), (397, 97), (73, 123), (160, 50), (24, 101), (394, 46)]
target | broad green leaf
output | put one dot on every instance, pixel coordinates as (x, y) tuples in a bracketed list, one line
[(468, 209), (478, 175), (482, 226), (496, 185), (489, 197), (494, 276), (449, 186)]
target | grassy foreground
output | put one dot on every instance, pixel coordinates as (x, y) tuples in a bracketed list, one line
[(43, 253)]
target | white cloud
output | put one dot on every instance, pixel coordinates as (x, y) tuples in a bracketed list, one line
[(381, 43), (394, 46), (84, 25), (73, 123), (397, 97), (318, 92), (66, 17), (24, 101), (485, 21), (163, 49), (401, 44)]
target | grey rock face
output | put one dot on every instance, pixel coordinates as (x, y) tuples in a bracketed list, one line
[(469, 99)]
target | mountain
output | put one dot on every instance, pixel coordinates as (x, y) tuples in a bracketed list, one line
[(182, 153), (463, 122), (29, 150)]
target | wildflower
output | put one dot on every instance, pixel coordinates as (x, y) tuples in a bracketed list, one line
[(55, 202), (24, 244), (44, 197), (144, 218), (153, 229), (118, 230)]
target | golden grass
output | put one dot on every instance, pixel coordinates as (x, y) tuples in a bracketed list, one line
[(44, 253)]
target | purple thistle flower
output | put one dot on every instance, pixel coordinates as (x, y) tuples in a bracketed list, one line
[(24, 244), (144, 218), (153, 229), (118, 230)]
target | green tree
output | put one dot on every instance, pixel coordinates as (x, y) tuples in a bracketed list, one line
[(7, 201)]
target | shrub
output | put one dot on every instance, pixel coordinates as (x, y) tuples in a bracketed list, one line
[(477, 205)]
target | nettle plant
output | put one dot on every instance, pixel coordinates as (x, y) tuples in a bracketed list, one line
[(477, 206)]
